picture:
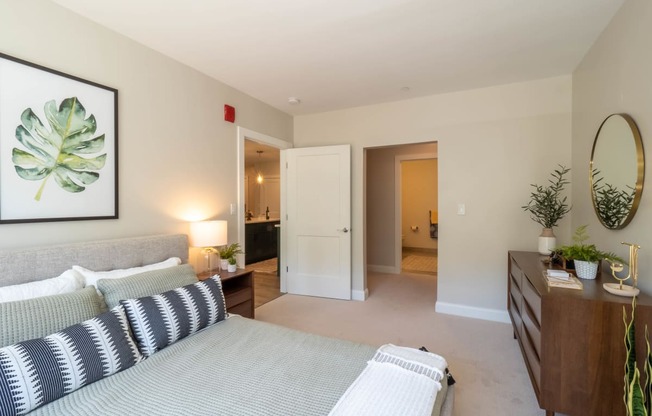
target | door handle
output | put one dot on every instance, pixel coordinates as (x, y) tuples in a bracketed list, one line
[(346, 230)]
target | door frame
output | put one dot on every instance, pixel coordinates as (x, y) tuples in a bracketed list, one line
[(398, 203), (242, 134)]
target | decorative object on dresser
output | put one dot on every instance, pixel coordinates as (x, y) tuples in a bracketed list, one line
[(547, 207), (571, 340), (238, 288), (232, 265), (619, 288), (586, 257), (208, 235), (227, 253), (617, 171)]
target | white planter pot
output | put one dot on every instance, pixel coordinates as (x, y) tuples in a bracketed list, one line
[(232, 267), (224, 264), (586, 269), (547, 241)]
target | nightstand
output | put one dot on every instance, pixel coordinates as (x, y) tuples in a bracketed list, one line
[(238, 288)]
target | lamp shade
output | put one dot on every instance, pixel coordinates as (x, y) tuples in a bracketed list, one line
[(208, 233)]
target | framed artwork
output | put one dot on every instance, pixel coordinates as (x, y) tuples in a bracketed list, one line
[(58, 145)]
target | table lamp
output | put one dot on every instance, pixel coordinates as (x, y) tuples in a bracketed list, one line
[(208, 235)]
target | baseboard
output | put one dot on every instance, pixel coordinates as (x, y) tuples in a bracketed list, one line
[(360, 294), (377, 268), (495, 315)]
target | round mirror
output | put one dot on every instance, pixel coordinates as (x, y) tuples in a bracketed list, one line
[(617, 170)]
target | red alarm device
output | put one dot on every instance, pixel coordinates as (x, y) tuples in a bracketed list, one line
[(229, 113)]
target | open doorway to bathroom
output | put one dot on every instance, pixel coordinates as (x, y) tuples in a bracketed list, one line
[(402, 226), (418, 213)]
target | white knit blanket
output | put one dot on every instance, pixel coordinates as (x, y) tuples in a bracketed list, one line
[(397, 381)]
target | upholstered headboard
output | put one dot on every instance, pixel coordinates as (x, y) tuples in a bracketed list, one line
[(32, 264)]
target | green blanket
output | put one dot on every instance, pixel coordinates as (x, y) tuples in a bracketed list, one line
[(236, 367)]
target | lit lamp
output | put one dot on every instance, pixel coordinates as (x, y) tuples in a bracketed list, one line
[(208, 235)]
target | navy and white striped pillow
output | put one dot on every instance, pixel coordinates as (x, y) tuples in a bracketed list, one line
[(38, 371), (161, 320)]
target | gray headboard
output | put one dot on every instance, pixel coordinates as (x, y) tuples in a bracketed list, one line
[(32, 264)]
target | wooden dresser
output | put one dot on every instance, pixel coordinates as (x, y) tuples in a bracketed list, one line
[(572, 340)]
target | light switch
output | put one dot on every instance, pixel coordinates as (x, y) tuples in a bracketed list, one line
[(232, 209), (461, 209)]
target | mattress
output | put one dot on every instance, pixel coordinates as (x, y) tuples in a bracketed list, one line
[(236, 367)]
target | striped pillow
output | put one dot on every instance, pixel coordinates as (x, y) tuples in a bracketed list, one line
[(161, 320), (38, 371)]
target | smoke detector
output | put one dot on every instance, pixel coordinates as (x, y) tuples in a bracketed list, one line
[(294, 101)]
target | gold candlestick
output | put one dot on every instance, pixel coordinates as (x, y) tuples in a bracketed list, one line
[(620, 289)]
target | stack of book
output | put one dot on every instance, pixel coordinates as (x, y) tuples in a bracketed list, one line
[(561, 278)]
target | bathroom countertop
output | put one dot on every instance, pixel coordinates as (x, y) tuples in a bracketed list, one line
[(259, 220)]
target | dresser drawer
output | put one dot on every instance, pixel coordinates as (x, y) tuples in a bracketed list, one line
[(532, 360), (516, 273), (237, 296), (533, 299), (533, 329), (515, 297), (243, 309), (516, 316)]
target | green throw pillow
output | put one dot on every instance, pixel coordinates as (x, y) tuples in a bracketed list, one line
[(35, 318), (145, 284)]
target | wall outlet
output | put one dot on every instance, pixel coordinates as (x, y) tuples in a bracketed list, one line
[(461, 209)]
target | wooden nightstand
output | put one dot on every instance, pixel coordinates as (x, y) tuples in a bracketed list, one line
[(238, 290)]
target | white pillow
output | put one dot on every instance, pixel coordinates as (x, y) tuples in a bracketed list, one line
[(90, 277), (69, 281)]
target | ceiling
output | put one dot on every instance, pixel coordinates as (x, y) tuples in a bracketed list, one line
[(268, 153), (335, 54)]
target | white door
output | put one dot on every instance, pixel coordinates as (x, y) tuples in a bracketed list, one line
[(318, 222)]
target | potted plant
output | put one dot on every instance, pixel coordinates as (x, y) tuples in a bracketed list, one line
[(232, 264), (227, 252), (547, 207), (638, 399), (586, 257)]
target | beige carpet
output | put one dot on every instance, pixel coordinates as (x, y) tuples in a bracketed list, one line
[(416, 263), (483, 356)]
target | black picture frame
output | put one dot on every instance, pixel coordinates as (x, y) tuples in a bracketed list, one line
[(58, 145)]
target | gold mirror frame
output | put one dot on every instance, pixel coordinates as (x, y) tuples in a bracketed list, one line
[(640, 172)]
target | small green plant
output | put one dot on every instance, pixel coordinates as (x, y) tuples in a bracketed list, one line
[(230, 251), (638, 400), (232, 261), (586, 252), (547, 206)]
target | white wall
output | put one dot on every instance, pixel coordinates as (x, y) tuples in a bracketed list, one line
[(492, 143), (615, 77), (177, 156)]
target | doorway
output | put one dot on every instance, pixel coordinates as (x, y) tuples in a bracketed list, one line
[(259, 199), (386, 231), (419, 215)]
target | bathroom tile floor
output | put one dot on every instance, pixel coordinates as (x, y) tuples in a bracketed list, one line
[(418, 260)]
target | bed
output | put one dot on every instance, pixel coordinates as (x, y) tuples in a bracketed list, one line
[(235, 366)]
